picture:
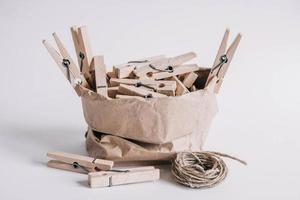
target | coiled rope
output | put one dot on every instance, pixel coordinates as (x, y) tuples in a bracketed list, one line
[(200, 169)]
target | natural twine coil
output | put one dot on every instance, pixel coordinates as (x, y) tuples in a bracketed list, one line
[(200, 169)]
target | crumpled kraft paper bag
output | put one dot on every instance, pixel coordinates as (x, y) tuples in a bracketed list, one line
[(154, 121), (105, 146)]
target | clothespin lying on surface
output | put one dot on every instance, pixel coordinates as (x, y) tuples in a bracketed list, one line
[(223, 60), (100, 172), (112, 178), (83, 52), (77, 163), (66, 63)]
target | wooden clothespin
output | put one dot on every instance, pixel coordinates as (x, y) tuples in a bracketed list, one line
[(136, 91), (112, 91), (180, 89), (66, 63), (125, 70), (163, 65), (223, 60), (100, 75), (182, 69), (112, 178), (163, 86), (83, 52), (189, 79), (77, 163)]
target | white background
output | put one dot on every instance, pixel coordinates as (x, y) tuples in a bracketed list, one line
[(259, 101)]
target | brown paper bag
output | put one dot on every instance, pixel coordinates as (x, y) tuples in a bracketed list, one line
[(105, 146), (153, 121)]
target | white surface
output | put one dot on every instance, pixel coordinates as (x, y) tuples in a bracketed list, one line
[(259, 102)]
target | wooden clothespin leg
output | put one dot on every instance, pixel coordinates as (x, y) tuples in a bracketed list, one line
[(83, 52), (100, 75), (77, 163), (66, 63), (223, 60), (112, 178)]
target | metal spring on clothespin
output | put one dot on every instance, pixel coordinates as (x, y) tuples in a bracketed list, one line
[(66, 64), (223, 60), (139, 84), (169, 69), (81, 56)]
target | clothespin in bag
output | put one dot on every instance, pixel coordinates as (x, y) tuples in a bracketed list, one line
[(83, 52), (77, 163), (223, 60), (163, 65), (66, 63), (100, 75), (120, 177)]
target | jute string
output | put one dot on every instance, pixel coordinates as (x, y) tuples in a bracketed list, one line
[(200, 169)]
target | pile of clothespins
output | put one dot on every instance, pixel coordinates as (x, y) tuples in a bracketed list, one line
[(152, 77)]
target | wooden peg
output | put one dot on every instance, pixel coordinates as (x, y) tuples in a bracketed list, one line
[(193, 88), (164, 87), (230, 53), (109, 178), (112, 91), (189, 79), (111, 75), (100, 75), (65, 166), (125, 70), (84, 161), (212, 84), (135, 91), (181, 89), (120, 96), (71, 73), (83, 52), (162, 64), (182, 69)]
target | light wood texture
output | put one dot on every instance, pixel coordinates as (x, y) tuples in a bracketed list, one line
[(221, 70), (181, 89), (85, 161), (73, 70), (111, 74), (125, 70), (82, 45), (163, 64), (65, 166), (164, 87), (117, 82), (135, 91), (112, 91), (193, 88), (189, 79), (121, 96), (100, 75), (230, 54), (177, 70), (137, 175), (212, 84)]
